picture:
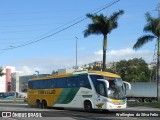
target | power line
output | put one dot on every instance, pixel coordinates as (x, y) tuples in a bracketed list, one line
[(68, 23), (101, 8), (63, 29)]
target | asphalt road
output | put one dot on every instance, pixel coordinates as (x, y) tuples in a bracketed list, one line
[(23, 111)]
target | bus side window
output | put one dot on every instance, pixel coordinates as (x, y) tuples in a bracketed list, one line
[(69, 82), (101, 88), (84, 81), (52, 83), (81, 83), (61, 83), (72, 82), (35, 85), (30, 84), (41, 84)]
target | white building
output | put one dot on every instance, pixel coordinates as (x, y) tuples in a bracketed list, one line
[(15, 81), (96, 63), (152, 65), (65, 70), (19, 81)]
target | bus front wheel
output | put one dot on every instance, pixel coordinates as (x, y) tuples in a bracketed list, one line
[(87, 106), (44, 104)]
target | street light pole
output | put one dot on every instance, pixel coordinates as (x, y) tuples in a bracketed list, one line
[(37, 73)]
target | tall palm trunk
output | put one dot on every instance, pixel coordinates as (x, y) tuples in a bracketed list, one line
[(158, 71), (104, 52)]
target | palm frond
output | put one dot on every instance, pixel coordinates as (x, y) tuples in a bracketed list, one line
[(92, 29), (1, 71), (113, 20), (116, 15), (93, 17), (149, 18), (143, 40), (153, 26), (112, 25), (103, 24), (148, 28)]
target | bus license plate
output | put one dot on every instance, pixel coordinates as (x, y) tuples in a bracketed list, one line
[(119, 107)]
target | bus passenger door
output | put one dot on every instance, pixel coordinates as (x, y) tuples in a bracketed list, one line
[(100, 98)]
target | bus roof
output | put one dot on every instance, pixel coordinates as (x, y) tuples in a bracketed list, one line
[(53, 76), (106, 74)]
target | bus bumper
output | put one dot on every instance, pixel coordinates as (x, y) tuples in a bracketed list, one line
[(111, 106)]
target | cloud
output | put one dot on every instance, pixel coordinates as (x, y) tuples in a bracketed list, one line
[(127, 53), (26, 69), (48, 64)]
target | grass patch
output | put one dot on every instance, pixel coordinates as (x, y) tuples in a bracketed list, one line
[(149, 104)]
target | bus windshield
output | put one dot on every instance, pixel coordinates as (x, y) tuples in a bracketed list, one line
[(116, 88)]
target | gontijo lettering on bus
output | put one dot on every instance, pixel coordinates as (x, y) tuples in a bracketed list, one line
[(46, 91)]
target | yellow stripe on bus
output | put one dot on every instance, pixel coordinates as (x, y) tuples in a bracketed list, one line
[(50, 95)]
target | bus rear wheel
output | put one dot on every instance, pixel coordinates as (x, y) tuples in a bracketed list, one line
[(88, 106), (44, 104), (38, 104)]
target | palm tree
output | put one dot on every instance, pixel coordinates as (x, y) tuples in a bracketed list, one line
[(1, 72), (102, 25), (153, 27)]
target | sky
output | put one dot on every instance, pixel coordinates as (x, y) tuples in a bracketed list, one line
[(45, 21)]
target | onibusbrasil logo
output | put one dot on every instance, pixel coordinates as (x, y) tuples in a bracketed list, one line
[(20, 114)]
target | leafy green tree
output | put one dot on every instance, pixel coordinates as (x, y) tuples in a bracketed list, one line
[(134, 70), (103, 25), (153, 74), (54, 72), (1, 71), (97, 68), (89, 68)]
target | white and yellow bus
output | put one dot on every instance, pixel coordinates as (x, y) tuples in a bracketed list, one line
[(87, 90)]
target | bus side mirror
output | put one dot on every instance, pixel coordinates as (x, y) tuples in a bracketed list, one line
[(127, 84), (107, 83)]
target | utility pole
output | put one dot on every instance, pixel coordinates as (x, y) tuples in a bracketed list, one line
[(158, 9), (76, 52), (158, 60)]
